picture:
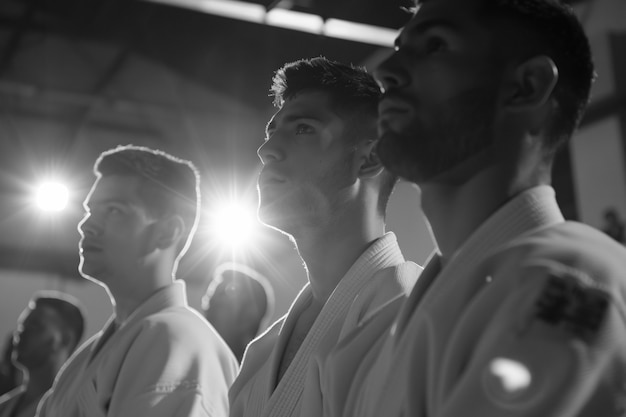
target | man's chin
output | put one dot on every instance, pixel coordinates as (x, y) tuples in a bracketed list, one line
[(270, 213), (397, 157), (278, 221), (86, 273), (272, 221)]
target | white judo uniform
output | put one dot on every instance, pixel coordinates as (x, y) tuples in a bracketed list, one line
[(379, 275), (164, 360), (528, 318)]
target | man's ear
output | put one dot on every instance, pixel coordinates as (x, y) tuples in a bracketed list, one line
[(532, 83), (66, 339), (370, 165), (57, 341), (168, 231)]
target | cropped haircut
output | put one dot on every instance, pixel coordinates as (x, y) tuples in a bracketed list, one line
[(352, 89), (354, 95), (67, 308), (170, 185)]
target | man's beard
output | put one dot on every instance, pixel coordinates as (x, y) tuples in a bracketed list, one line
[(306, 203), (420, 153)]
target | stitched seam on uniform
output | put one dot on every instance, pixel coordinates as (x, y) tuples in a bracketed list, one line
[(167, 387)]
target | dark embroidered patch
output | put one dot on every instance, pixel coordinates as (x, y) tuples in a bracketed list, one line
[(572, 306)]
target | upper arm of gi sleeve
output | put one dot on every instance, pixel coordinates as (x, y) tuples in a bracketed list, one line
[(554, 344)]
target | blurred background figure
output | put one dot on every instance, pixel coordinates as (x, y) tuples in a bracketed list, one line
[(10, 375), (613, 225), (48, 331), (239, 303)]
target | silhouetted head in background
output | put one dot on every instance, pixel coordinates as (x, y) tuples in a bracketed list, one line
[(49, 329), (238, 303), (47, 333)]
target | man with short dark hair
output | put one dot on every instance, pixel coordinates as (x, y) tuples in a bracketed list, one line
[(238, 303), (48, 331), (155, 356), (520, 313), (323, 185)]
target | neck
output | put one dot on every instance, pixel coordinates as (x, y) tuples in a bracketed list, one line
[(237, 342), (329, 251), (40, 379), (136, 289), (455, 211)]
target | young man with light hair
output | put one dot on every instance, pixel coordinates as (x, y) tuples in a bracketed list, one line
[(155, 356)]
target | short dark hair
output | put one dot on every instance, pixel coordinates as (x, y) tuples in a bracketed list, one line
[(170, 184), (352, 89), (354, 95), (67, 308), (548, 27)]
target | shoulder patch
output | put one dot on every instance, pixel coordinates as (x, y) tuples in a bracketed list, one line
[(567, 303)]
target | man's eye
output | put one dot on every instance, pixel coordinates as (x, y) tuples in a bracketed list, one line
[(302, 129), (113, 210), (435, 44)]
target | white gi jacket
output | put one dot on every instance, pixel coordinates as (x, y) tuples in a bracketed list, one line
[(528, 318), (379, 275), (164, 360)]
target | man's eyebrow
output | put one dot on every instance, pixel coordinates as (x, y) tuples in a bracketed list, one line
[(96, 203), (293, 117), (422, 27), (290, 118)]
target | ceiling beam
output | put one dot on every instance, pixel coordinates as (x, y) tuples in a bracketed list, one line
[(13, 44)]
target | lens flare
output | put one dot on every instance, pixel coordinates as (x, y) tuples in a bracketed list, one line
[(52, 196), (234, 225)]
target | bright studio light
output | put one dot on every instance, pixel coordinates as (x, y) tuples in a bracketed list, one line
[(234, 225), (52, 196)]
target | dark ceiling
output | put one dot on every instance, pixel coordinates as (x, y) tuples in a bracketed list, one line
[(234, 57)]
